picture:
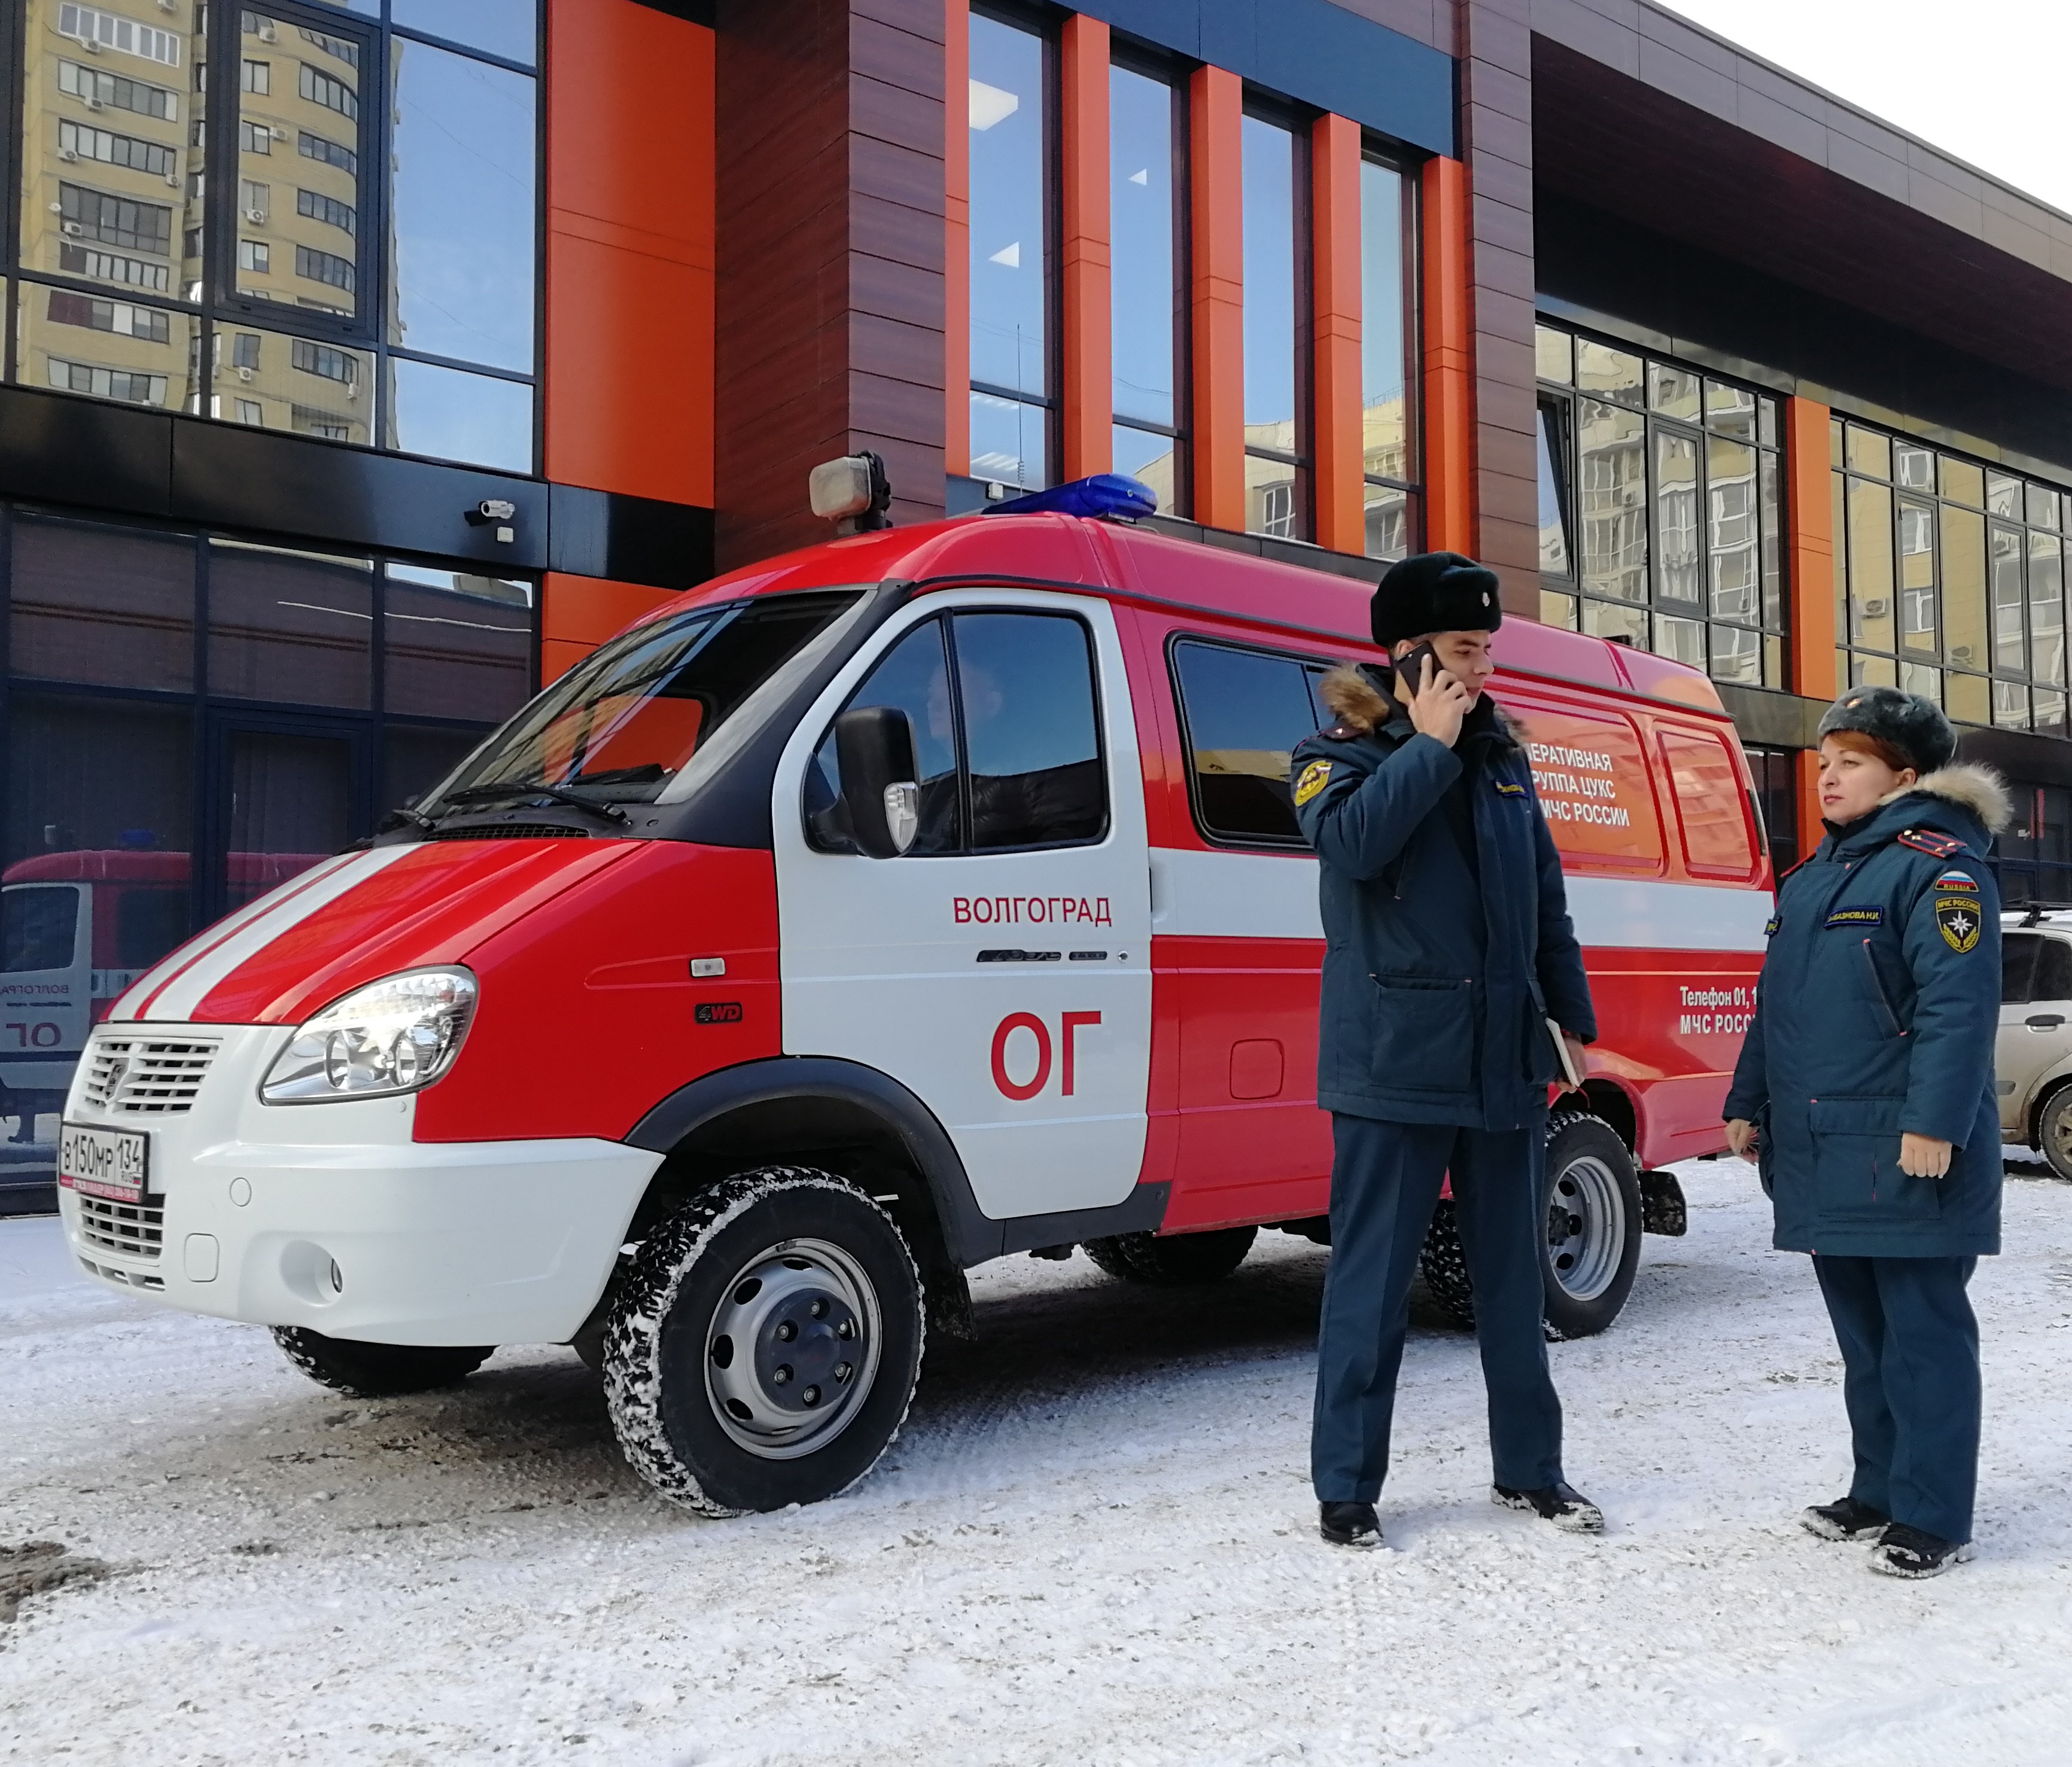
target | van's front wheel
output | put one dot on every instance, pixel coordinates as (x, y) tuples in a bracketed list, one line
[(765, 1344)]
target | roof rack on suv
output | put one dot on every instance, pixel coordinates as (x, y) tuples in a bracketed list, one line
[(2033, 912)]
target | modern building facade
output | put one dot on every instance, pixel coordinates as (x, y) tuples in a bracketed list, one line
[(371, 360)]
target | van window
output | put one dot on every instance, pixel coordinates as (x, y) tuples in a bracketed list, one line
[(2018, 952), (1592, 784), (1244, 713), (1021, 716), (2053, 971), (1709, 804), (38, 926)]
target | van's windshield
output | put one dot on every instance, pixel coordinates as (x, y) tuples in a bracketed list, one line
[(624, 722)]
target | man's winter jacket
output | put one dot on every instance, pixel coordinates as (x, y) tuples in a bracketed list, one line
[(1876, 1015), (1442, 964)]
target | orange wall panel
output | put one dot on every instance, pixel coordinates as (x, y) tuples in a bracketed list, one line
[(1449, 400), (956, 241), (630, 250), (578, 613), (1809, 527), (1334, 158), (1087, 347), (1216, 122)]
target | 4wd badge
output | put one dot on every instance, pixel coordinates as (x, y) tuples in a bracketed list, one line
[(1957, 919)]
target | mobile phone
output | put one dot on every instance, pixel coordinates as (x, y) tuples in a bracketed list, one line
[(1411, 667)]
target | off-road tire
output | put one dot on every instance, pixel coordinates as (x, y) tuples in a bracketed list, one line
[(1180, 1260), (663, 1398), (377, 1370), (2054, 1131), (1590, 1176)]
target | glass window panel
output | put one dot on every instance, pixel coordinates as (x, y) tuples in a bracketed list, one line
[(1623, 624), (2042, 503), (1773, 661), (452, 415), (2048, 715), (1837, 454), (1011, 244), (1390, 522), (1732, 533), (1913, 467), (289, 627), (1963, 482), (1683, 639), (2046, 611), (1274, 494), (462, 155), (290, 800), (1556, 557), (2005, 566), (1611, 498), (2010, 705), (1679, 562), (1009, 441), (1923, 679), (455, 645), (1967, 697), (414, 759), (1557, 610), (1736, 655), (1917, 576), (111, 606), (1771, 502), (2002, 495), (1870, 565), (1608, 373), (1553, 354), (297, 215), (1964, 587), (1272, 408), (913, 678), (1025, 682), (1386, 435), (105, 347), (504, 27), (1765, 426), (1145, 191), (1838, 517), (1673, 392), (272, 381), (1870, 453), (1730, 410), (1245, 714), (1153, 459), (2054, 846), (1874, 671)]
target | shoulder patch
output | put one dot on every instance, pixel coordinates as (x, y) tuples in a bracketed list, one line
[(1857, 914), (1311, 780), (1957, 918), (1956, 880), (1933, 842), (1770, 926)]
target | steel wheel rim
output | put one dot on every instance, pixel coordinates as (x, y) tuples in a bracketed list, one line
[(1585, 1227), (779, 1394), (2057, 1134)]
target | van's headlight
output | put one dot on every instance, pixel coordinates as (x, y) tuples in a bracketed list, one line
[(392, 1036)]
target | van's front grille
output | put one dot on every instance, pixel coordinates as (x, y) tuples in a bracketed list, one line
[(127, 1228), (144, 1076)]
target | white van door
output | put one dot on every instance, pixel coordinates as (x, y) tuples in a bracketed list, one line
[(45, 985), (1000, 969)]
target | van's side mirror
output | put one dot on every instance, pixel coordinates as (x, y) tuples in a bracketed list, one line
[(880, 795)]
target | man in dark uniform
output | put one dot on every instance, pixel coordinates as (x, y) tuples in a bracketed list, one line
[(1447, 947)]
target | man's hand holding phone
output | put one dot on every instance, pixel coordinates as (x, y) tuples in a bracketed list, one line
[(1436, 701)]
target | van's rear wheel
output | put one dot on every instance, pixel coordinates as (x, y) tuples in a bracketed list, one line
[(765, 1343), (376, 1371), (1177, 1260), (1591, 1246)]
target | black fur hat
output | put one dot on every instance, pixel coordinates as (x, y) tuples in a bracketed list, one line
[(1435, 592), (1910, 724)]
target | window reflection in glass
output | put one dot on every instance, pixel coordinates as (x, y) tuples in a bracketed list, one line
[(2005, 564), (1731, 530), (298, 193), (1730, 410), (1673, 391), (291, 626), (111, 606), (455, 645), (1391, 515), (1554, 354), (1963, 562), (1246, 713), (1153, 459), (105, 346), (1010, 244), (1024, 685), (1607, 372), (1678, 566), (504, 27), (1611, 490), (1272, 497), (1385, 440), (1010, 441), (1683, 639), (2046, 614), (913, 678), (1870, 565), (1141, 198), (1270, 287), (463, 150), (454, 415), (1555, 558), (1917, 576), (307, 386)]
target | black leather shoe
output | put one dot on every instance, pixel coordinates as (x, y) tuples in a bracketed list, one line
[(1905, 1551), (1845, 1520), (1349, 1524), (1566, 1508)]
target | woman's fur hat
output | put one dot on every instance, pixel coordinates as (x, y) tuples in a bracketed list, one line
[(1914, 726)]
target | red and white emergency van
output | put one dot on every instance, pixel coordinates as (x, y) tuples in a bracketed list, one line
[(917, 898)]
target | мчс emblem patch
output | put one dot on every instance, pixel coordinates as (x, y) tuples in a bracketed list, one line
[(1957, 919), (1313, 779)]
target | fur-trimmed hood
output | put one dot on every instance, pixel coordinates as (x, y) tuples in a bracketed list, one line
[(1355, 696), (1967, 785)]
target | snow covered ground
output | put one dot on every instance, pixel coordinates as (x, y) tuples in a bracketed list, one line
[(1094, 1544)]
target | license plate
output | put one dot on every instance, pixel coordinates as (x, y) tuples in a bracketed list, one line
[(112, 1163)]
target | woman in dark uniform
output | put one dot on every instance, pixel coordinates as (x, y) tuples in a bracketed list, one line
[(1866, 1085)]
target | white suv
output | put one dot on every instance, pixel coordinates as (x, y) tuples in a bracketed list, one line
[(2032, 1054)]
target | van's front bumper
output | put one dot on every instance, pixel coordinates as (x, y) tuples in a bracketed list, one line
[(330, 1217)]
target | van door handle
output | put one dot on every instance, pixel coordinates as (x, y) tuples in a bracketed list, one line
[(2045, 1022)]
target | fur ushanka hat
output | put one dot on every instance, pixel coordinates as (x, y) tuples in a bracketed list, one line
[(1914, 726), (1435, 592)]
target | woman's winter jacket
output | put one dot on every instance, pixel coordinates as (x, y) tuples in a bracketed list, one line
[(1875, 1016), (1447, 939)]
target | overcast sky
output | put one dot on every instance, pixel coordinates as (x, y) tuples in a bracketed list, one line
[(1988, 80)]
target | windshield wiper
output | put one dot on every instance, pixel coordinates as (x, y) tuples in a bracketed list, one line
[(489, 794)]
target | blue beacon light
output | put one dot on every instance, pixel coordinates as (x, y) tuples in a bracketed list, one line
[(1107, 496)]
